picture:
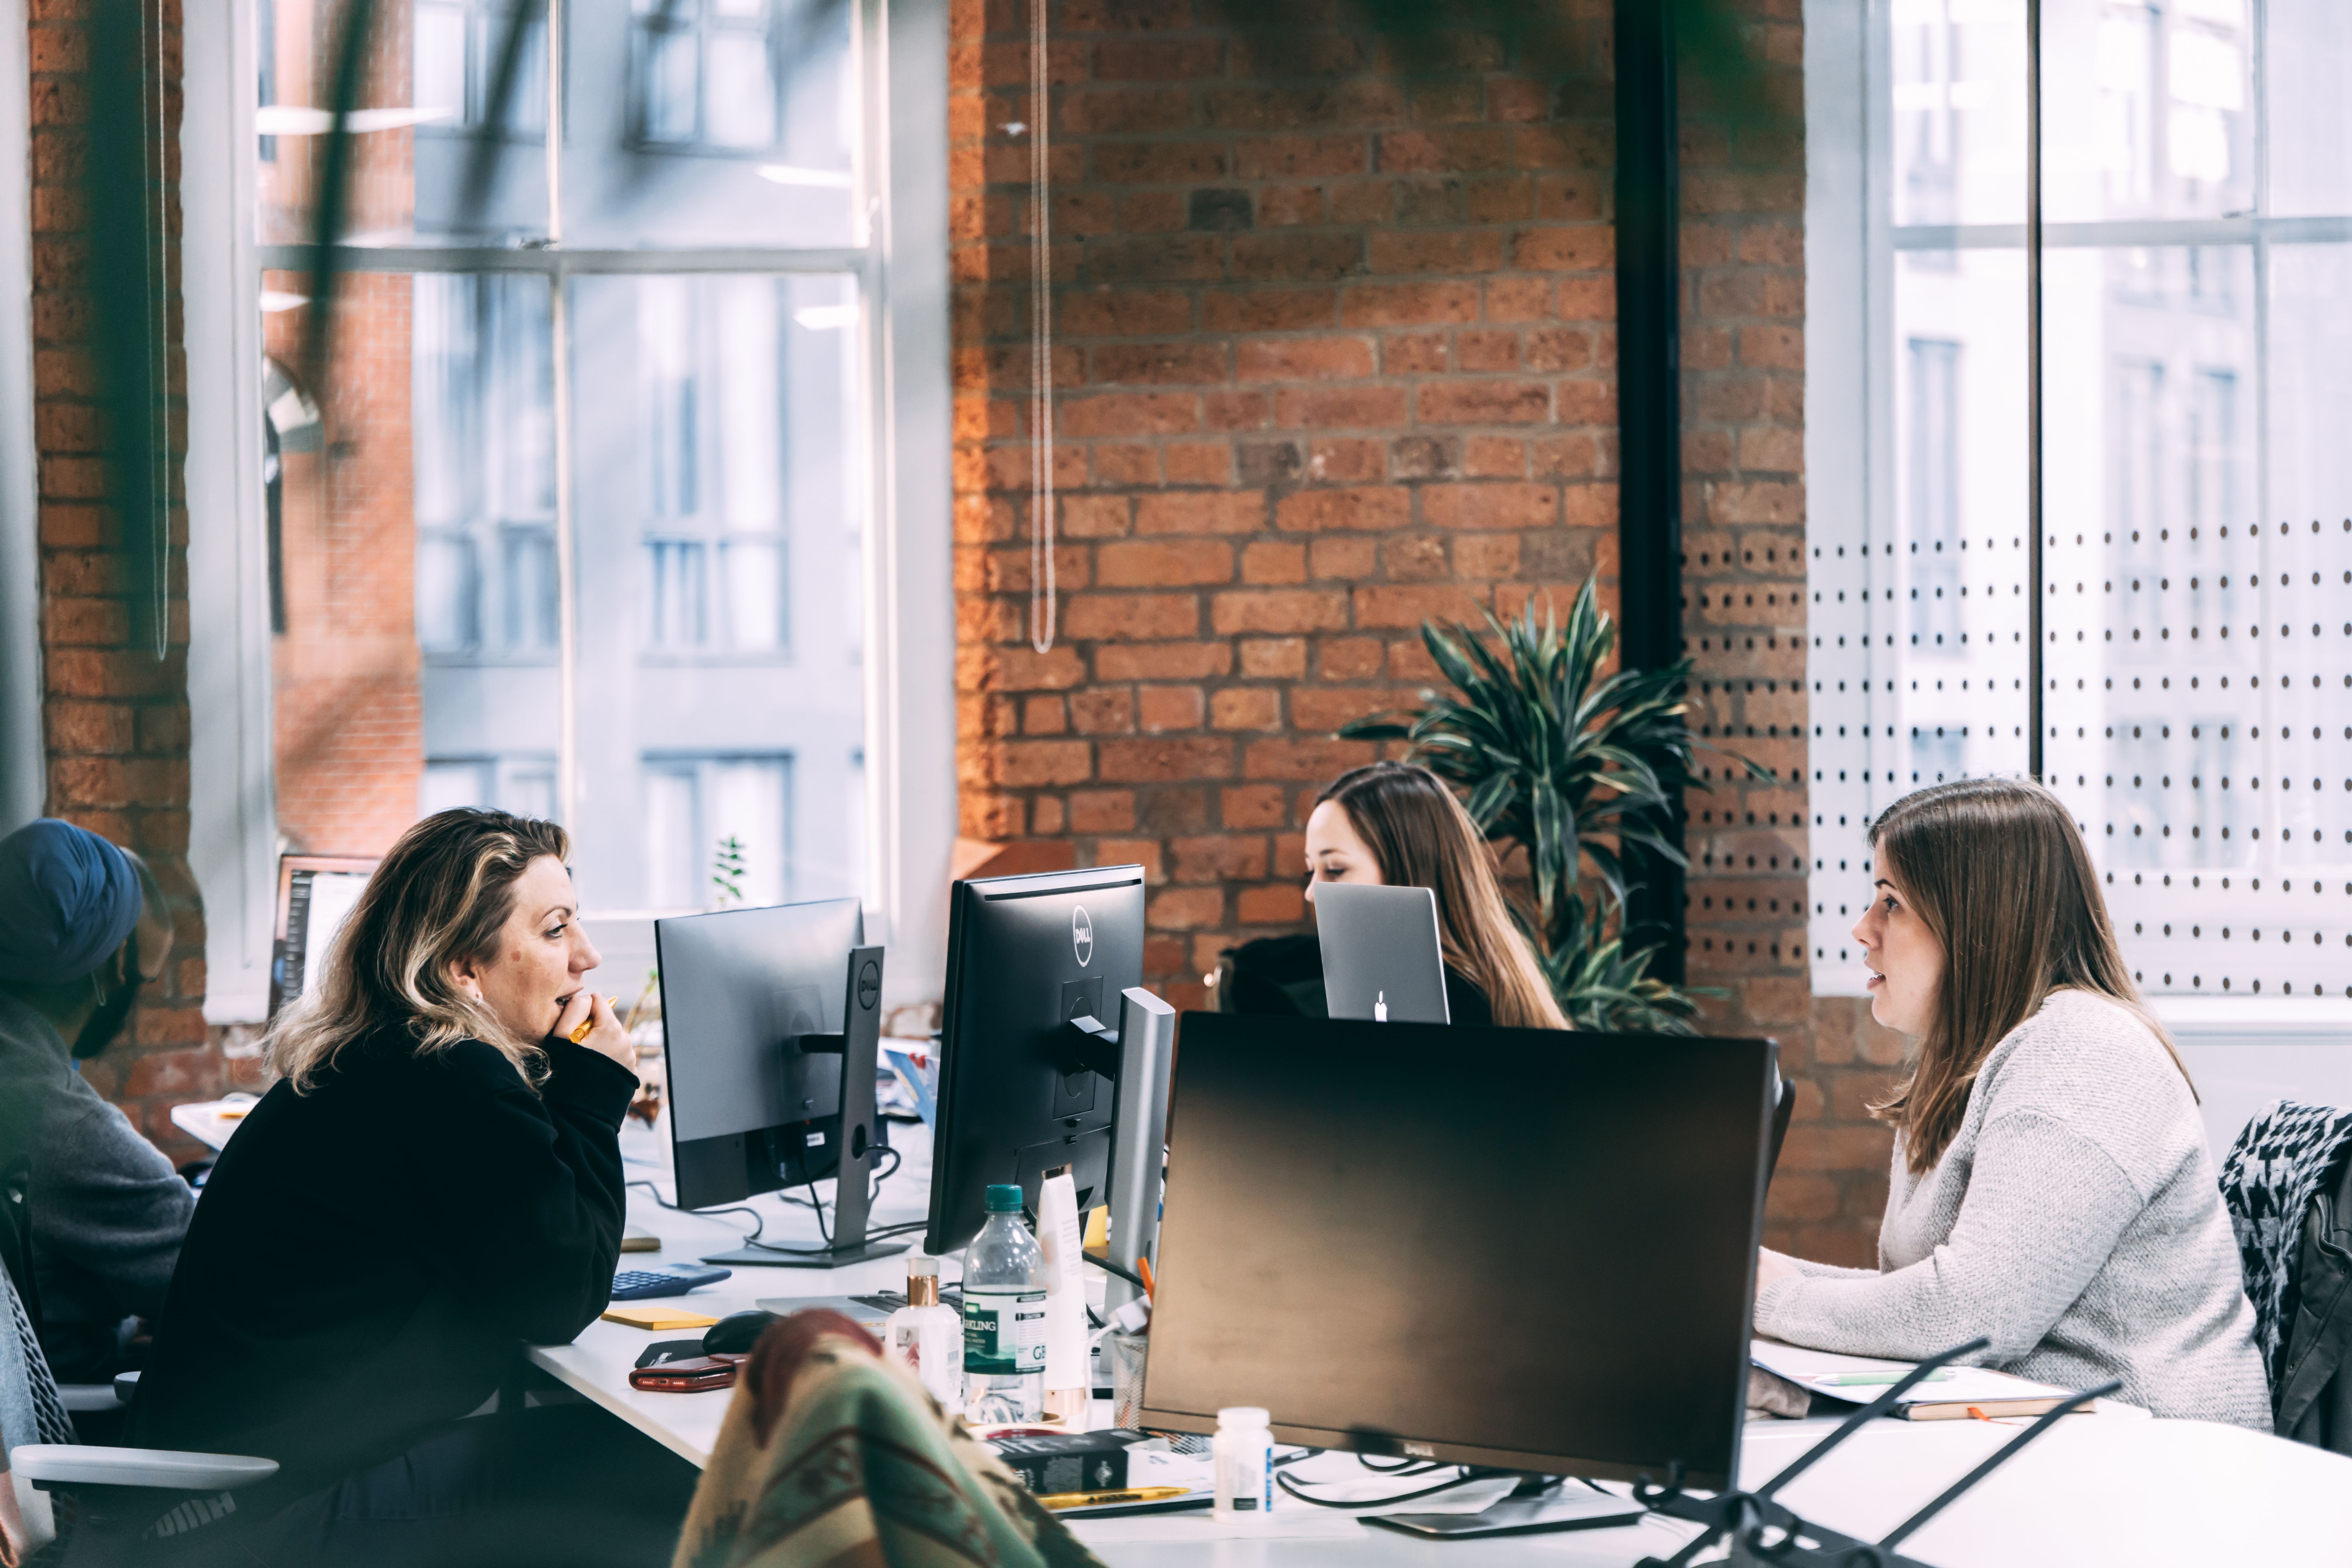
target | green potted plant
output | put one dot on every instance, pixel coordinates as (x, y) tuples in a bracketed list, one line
[(1575, 764)]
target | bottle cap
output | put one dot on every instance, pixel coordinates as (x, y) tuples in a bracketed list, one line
[(1242, 1415), (923, 1282), (1005, 1197)]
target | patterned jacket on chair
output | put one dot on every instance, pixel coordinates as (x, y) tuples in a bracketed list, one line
[(2276, 1168)]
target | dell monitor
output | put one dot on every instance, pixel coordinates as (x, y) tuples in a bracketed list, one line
[(771, 1018), (1037, 966), (1539, 1259)]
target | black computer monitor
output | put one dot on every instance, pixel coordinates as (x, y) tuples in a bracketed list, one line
[(770, 1018), (1535, 1253), (1026, 956)]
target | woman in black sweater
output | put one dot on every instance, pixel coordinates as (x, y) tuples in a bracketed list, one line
[(435, 1180)]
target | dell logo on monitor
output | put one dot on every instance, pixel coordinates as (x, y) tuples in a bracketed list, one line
[(1082, 935)]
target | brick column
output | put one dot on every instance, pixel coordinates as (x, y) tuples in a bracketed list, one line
[(115, 720)]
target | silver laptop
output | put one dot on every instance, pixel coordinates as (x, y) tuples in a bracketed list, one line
[(1380, 954)]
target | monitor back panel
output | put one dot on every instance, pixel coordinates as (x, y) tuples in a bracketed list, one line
[(1024, 955), (748, 1111), (1540, 1256), (1382, 961)]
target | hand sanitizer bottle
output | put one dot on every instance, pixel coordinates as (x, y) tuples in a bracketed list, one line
[(928, 1336), (1242, 1455), (1003, 1316)]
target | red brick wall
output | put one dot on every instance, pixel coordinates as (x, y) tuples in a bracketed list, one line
[(1335, 347), (1335, 353), (350, 711), (115, 720)]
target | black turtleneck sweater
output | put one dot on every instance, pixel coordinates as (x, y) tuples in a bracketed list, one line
[(367, 1258)]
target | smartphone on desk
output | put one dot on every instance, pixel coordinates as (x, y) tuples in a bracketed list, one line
[(690, 1375)]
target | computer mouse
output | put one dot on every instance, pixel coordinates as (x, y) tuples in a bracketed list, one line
[(736, 1333)]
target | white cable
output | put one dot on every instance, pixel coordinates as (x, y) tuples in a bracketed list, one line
[(1041, 343)]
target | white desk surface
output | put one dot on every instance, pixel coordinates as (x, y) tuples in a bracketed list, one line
[(2107, 1489), (598, 1364)]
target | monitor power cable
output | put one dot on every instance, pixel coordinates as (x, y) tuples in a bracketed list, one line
[(759, 1224), (826, 1233), (1107, 1267), (1463, 1478)]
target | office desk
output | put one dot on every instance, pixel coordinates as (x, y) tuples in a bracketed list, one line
[(2097, 1489), (598, 1364), (2107, 1489)]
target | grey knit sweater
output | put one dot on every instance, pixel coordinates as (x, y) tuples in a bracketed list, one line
[(2075, 1222)]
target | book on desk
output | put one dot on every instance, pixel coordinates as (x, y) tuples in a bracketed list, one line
[(1952, 1394)]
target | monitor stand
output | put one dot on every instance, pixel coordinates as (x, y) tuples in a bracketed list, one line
[(1530, 1510), (852, 1184)]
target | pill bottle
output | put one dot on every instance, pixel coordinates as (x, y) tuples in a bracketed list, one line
[(1242, 1453)]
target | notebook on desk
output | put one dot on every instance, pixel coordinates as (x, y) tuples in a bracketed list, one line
[(1950, 1393)]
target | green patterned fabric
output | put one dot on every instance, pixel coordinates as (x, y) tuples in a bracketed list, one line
[(832, 1457)]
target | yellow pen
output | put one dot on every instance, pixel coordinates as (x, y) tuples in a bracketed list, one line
[(1135, 1494)]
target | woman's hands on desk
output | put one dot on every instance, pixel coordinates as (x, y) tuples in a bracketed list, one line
[(1771, 1266), (605, 1036)]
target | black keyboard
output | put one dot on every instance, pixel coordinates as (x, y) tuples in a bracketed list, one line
[(675, 1279)]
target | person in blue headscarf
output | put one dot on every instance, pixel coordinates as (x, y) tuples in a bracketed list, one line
[(94, 1213)]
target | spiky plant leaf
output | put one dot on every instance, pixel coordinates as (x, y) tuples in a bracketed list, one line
[(1576, 765)]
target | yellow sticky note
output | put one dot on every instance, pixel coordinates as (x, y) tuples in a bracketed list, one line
[(652, 1317), (1097, 1236)]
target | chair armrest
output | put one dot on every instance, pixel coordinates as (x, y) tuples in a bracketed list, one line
[(74, 1463), (86, 1396)]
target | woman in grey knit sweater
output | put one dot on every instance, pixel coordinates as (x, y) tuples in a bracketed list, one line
[(2052, 1190)]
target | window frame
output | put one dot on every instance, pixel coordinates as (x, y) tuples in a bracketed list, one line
[(907, 610), (1856, 621), (24, 753)]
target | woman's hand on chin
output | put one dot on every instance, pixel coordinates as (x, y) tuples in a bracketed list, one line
[(605, 1036)]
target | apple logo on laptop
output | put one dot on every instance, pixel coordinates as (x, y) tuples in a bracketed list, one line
[(1380, 1008)]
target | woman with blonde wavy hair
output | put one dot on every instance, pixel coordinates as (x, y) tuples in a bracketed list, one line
[(2051, 1191), (433, 1180)]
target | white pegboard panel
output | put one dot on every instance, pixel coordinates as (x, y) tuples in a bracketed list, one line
[(1845, 751), (2209, 761)]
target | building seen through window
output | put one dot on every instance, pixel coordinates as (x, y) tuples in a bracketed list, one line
[(2198, 698), (605, 431)]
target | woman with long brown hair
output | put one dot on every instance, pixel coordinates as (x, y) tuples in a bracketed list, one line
[(2052, 1190), (1395, 824), (433, 1180)]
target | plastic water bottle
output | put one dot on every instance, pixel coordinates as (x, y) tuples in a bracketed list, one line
[(1003, 1316)]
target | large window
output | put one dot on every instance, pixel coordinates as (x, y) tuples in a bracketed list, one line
[(590, 522), (2196, 701)]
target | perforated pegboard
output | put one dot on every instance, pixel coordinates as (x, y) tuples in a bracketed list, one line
[(2201, 724)]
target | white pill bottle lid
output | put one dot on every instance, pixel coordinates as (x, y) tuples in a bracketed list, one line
[(1242, 1417)]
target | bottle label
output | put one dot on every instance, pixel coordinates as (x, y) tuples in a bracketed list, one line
[(1003, 1330)]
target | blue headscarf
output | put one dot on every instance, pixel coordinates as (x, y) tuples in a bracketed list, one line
[(67, 900)]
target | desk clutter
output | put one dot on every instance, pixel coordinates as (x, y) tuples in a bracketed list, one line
[(1268, 1292)]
